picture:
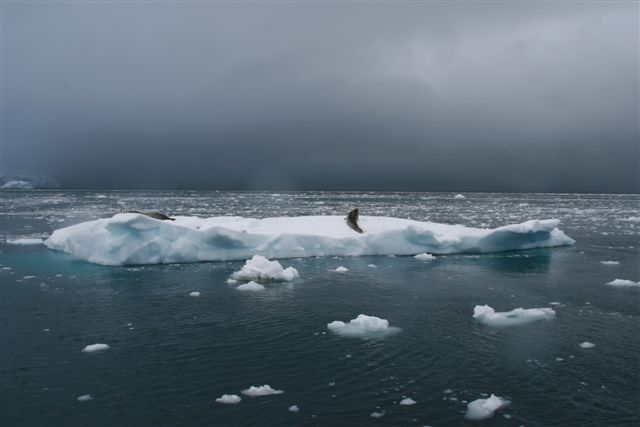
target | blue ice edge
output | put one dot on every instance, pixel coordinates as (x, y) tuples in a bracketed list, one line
[(134, 239)]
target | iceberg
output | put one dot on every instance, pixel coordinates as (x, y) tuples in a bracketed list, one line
[(95, 347), (263, 390), (622, 282), (363, 326), (481, 409), (229, 399), (130, 238), (488, 316), (260, 269)]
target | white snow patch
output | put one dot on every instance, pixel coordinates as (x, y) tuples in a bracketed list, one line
[(424, 257), (610, 262), (194, 294), (587, 344), (623, 282), (263, 390), (481, 409), (229, 399), (260, 269), (84, 398), (25, 241), (363, 326), (294, 408), (341, 269), (131, 238), (251, 287), (95, 347), (518, 316), (408, 401)]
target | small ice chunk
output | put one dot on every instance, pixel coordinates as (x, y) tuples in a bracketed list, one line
[(294, 408), (408, 401), (623, 282), (251, 287), (481, 409), (555, 303), (260, 269), (229, 399), (231, 281), (95, 347), (363, 326), (425, 257), (25, 241), (263, 390), (372, 266), (194, 294), (377, 414), (610, 262), (84, 398), (341, 269), (459, 197), (518, 316), (587, 344), (29, 277)]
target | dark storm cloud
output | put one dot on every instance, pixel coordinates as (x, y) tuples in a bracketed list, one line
[(380, 96)]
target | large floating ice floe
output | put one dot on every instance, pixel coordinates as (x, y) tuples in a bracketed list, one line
[(363, 326), (137, 239), (518, 316)]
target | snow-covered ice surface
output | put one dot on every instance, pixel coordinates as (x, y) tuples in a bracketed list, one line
[(481, 409), (137, 239), (363, 326), (251, 287), (260, 269), (518, 316), (263, 390), (17, 185)]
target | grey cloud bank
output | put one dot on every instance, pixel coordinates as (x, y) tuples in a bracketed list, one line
[(335, 96)]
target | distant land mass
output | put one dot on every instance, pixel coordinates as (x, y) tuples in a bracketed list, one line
[(25, 183)]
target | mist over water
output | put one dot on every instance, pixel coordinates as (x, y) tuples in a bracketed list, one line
[(171, 354)]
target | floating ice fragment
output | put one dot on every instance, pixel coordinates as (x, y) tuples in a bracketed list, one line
[(294, 408), (424, 257), (372, 266), (231, 281), (559, 359), (194, 294), (263, 390), (25, 241), (587, 344), (229, 399), (95, 347), (377, 414), (363, 326), (131, 238), (341, 269), (260, 269), (623, 282), (459, 196), (408, 401), (610, 262), (488, 316), (84, 398), (251, 287), (29, 277), (481, 409)]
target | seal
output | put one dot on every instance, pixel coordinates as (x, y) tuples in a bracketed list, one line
[(352, 220), (152, 214)]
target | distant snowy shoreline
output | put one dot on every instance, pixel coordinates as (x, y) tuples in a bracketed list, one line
[(127, 239)]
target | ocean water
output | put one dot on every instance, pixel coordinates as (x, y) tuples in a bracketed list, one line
[(172, 355)]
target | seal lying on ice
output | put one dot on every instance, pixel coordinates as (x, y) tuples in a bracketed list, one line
[(152, 214), (352, 220)]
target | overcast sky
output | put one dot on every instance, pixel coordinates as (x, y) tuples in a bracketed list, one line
[(425, 96)]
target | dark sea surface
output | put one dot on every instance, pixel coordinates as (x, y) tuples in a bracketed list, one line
[(172, 355)]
